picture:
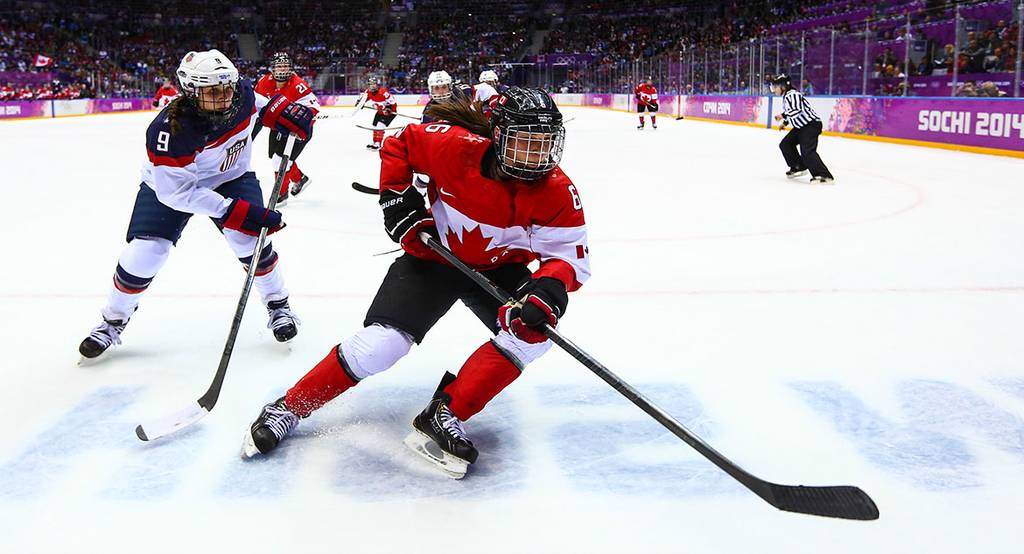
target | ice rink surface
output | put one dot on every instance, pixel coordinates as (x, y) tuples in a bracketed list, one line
[(867, 333)]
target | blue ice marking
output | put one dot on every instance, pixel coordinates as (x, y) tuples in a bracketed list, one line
[(928, 458), (374, 463), (635, 456), (1012, 385), (96, 422), (155, 469), (939, 406)]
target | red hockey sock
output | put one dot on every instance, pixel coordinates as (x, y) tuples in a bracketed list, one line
[(486, 373), (294, 174), (322, 384), (641, 120), (378, 137), (654, 120)]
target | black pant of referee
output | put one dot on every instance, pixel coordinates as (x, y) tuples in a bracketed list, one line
[(808, 158)]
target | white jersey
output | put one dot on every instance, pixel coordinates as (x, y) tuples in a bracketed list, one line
[(185, 167), (484, 92)]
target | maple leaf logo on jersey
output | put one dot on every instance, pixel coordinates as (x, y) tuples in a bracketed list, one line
[(473, 138), (474, 246)]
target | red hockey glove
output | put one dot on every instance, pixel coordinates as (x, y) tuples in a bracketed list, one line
[(540, 301), (286, 116), (246, 218)]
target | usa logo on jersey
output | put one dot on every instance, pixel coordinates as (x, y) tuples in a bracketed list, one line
[(231, 154)]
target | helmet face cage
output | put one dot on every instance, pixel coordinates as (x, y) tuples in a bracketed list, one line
[(281, 67), (440, 92), (529, 152)]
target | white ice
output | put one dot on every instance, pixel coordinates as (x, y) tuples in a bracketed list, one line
[(867, 333)]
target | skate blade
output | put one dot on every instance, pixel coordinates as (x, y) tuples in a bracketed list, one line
[(795, 175), (86, 362), (249, 449), (452, 466)]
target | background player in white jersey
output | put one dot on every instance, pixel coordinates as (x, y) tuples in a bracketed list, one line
[(200, 151), (484, 91)]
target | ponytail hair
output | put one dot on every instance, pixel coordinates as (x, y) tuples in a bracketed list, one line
[(178, 108), (464, 113)]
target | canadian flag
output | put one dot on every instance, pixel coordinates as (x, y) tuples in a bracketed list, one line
[(42, 61)]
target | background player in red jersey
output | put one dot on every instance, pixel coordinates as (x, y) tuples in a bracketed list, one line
[(379, 96), (282, 79), (499, 201), (647, 99), (165, 94)]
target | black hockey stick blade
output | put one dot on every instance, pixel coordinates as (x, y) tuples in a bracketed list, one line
[(365, 189), (843, 502)]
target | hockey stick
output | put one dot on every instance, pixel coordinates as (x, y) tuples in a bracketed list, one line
[(365, 189), (844, 502), (166, 425), (384, 129)]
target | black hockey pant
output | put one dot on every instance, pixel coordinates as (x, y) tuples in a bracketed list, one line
[(807, 138)]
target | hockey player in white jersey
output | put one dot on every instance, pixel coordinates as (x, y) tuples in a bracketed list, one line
[(199, 163)]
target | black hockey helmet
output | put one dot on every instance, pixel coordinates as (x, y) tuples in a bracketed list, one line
[(528, 133), (782, 80), (281, 67)]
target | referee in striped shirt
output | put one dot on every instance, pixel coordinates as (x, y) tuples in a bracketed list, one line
[(797, 112)]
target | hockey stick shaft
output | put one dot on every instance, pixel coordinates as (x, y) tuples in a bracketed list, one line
[(365, 189), (843, 502), (209, 400), (203, 406)]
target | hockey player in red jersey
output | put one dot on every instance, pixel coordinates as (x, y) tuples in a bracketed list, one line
[(499, 201), (165, 94), (378, 96), (282, 79), (647, 100)]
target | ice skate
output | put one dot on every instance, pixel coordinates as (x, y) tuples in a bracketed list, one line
[(300, 186), (822, 181), (102, 337), (438, 436), (794, 173), (273, 425), (283, 320)]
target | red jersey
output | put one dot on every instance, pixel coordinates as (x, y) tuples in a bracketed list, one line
[(294, 89), (646, 94), (164, 95), (485, 222), (382, 99)]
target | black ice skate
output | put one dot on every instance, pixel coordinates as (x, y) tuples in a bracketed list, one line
[(283, 321), (794, 173), (101, 338), (822, 181), (439, 436), (273, 425), (300, 186), (373, 147), (640, 126)]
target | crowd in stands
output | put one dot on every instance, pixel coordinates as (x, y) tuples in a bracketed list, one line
[(53, 49)]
